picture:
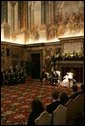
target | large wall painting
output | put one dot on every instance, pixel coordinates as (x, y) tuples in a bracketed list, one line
[(69, 17)]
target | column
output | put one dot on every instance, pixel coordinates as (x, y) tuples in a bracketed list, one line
[(12, 15), (4, 11), (51, 13), (16, 17), (21, 15), (5, 31), (18, 14), (26, 10), (37, 13), (20, 8), (54, 5), (9, 13), (46, 12), (24, 15), (29, 15), (42, 12), (32, 14)]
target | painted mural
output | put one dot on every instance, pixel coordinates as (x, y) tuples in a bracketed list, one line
[(69, 20), (48, 55), (47, 19), (69, 17)]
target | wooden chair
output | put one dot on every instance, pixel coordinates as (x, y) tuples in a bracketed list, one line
[(44, 119), (71, 111), (79, 101), (59, 115)]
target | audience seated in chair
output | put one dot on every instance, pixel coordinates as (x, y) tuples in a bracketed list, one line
[(59, 115), (75, 92), (13, 76), (5, 77), (51, 107), (54, 78), (78, 113), (44, 75), (71, 111), (82, 89), (64, 98), (37, 109)]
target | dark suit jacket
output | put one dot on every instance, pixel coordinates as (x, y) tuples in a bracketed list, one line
[(74, 95), (51, 107), (81, 92)]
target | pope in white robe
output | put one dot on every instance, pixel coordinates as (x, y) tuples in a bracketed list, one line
[(67, 80)]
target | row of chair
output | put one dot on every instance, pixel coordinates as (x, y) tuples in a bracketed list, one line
[(75, 109), (63, 115)]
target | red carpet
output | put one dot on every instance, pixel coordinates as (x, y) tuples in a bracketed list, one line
[(16, 100)]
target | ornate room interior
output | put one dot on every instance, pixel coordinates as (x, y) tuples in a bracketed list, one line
[(41, 28), (37, 35)]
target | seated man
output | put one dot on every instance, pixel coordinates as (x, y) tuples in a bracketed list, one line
[(54, 78), (58, 72), (81, 90), (51, 107), (43, 75), (75, 92)]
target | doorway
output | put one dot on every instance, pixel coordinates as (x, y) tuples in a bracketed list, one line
[(35, 58)]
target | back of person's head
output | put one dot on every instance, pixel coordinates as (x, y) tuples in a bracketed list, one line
[(63, 98), (75, 88), (37, 105), (55, 95), (74, 82), (82, 87)]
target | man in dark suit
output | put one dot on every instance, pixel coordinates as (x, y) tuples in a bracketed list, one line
[(51, 107), (75, 92), (82, 90)]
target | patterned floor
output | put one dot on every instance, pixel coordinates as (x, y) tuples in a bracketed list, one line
[(16, 100)]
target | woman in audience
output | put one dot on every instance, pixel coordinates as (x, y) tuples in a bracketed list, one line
[(63, 98), (37, 109), (51, 107)]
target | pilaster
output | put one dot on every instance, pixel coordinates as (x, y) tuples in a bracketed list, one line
[(5, 31)]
